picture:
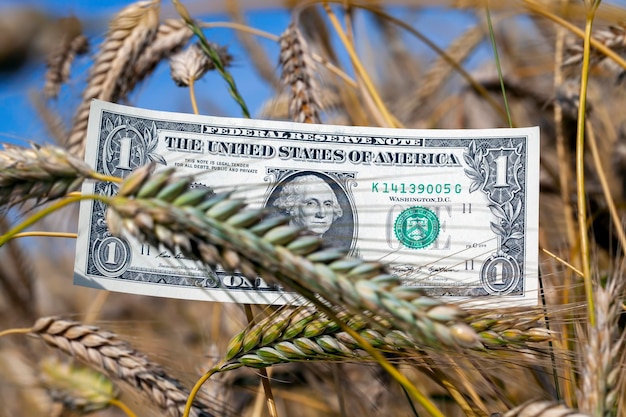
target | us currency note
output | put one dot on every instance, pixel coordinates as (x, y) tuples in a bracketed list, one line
[(454, 212)]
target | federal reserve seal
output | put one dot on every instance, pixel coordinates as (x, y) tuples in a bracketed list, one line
[(416, 227)]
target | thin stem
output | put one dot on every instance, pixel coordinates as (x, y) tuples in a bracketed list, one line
[(555, 375), (375, 354), (196, 388), (43, 213), (265, 380), (15, 331), (95, 307), (253, 31), (240, 27), (46, 234), (214, 56), (565, 188), (340, 392), (563, 261), (334, 69), (498, 66), (580, 173), (192, 95), (389, 119), (408, 398), (451, 388), (119, 404), (107, 178), (368, 101), (539, 8), (610, 202), (482, 91), (562, 150)]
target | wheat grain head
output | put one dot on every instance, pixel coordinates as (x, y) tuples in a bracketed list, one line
[(59, 62), (298, 76), (129, 33), (42, 173), (164, 210), (192, 63), (77, 388), (602, 351), (106, 353)]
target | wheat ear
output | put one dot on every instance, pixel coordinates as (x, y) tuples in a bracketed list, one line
[(77, 388), (164, 210), (40, 172), (504, 329), (171, 37), (106, 353), (304, 333), (51, 119), (614, 38), (600, 371), (298, 76), (219, 230), (192, 63), (129, 33), (59, 63)]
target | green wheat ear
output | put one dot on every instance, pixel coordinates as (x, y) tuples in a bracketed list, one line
[(219, 230), (305, 333), (79, 388), (41, 173)]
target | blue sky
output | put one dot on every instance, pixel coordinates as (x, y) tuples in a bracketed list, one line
[(19, 122), (158, 92)]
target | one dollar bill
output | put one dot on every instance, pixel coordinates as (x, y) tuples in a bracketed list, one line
[(454, 212)]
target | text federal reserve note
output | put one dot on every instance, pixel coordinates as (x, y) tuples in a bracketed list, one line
[(454, 212)]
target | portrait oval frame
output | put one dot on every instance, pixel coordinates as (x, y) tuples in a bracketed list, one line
[(342, 233)]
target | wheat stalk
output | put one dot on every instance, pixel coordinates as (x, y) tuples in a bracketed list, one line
[(106, 353), (298, 76), (129, 34), (17, 278), (42, 172), (614, 38)]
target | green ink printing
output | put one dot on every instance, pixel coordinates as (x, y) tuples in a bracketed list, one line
[(416, 227)]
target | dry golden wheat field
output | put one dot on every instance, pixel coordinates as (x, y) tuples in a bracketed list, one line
[(362, 345)]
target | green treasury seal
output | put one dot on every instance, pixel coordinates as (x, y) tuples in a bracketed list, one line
[(416, 227)]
